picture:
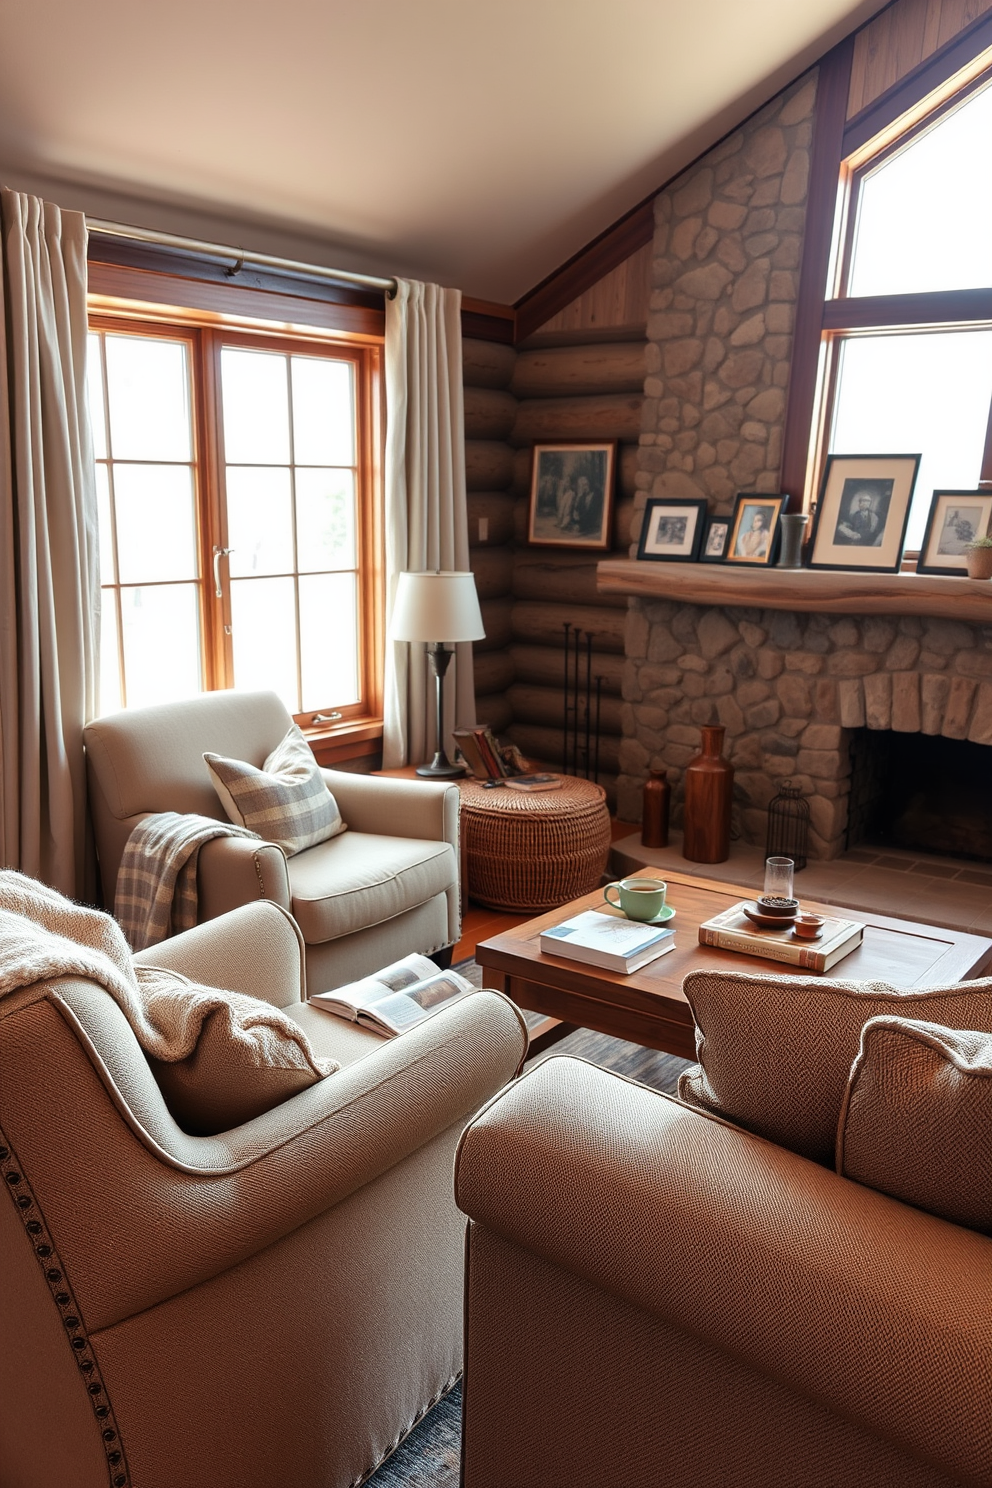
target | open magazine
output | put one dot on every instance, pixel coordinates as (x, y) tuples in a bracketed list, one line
[(396, 998)]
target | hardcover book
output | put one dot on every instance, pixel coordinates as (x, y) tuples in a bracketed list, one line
[(731, 930), (611, 942)]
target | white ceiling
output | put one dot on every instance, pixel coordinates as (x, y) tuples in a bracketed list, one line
[(477, 143)]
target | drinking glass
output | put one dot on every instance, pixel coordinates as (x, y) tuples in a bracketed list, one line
[(778, 878)]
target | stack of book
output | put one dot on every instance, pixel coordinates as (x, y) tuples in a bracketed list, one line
[(480, 751), (731, 930), (608, 941)]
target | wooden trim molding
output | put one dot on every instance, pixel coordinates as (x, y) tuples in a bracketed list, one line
[(816, 591), (940, 307)]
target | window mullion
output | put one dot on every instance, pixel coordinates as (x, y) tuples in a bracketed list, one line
[(218, 648)]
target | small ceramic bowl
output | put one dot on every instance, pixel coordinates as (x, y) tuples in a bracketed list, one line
[(807, 926), (783, 908)]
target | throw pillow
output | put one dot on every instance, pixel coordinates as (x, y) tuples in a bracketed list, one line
[(917, 1119), (775, 1052), (247, 1058), (286, 801)]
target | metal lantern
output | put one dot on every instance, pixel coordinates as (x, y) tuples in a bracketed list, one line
[(788, 825)]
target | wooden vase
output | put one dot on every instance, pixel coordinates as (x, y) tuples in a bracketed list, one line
[(709, 788), (654, 818)]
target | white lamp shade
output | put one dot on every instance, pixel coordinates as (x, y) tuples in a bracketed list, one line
[(436, 607)]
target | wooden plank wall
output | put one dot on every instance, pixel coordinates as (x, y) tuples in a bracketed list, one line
[(902, 37), (620, 298)]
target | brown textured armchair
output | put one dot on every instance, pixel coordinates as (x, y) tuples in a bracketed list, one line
[(276, 1304), (386, 887), (654, 1296)]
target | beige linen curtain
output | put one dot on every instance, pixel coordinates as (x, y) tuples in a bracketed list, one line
[(426, 524), (49, 565)]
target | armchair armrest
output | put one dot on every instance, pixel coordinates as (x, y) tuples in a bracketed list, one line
[(256, 949), (831, 1289), (396, 808), (231, 871)]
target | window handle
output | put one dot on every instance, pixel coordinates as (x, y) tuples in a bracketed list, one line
[(219, 553), (325, 718)]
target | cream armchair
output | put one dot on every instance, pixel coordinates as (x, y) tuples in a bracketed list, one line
[(386, 887), (654, 1296), (276, 1304)]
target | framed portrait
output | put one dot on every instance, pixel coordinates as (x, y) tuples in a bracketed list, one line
[(955, 518), (672, 531), (754, 528), (862, 512), (714, 546), (571, 495)]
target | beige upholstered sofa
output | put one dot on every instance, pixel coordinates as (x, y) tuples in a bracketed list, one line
[(386, 887), (276, 1304), (655, 1296)]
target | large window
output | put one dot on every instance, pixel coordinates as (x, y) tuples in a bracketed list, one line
[(907, 340), (239, 515)]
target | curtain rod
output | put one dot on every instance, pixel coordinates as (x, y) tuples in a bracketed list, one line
[(241, 258)]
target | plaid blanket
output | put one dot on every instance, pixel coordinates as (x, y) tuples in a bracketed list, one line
[(156, 882)]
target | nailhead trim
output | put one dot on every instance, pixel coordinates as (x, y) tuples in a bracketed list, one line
[(61, 1292)]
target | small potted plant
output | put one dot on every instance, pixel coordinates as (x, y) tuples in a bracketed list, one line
[(978, 556)]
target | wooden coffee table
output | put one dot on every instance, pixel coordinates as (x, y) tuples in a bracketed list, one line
[(647, 1007)]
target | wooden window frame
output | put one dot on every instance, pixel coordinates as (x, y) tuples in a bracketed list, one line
[(209, 316)]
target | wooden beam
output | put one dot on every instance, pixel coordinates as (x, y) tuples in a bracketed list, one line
[(586, 268)]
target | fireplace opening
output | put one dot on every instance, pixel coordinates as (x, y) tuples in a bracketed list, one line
[(920, 792)]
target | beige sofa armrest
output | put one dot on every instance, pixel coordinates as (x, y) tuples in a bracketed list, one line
[(231, 871), (396, 808), (876, 1311), (212, 1202), (256, 949)]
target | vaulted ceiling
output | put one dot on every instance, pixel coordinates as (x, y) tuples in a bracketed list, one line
[(477, 143)]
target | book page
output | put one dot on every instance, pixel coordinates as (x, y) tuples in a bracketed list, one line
[(365, 993), (402, 1010)]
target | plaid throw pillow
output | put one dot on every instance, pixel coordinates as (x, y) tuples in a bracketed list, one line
[(286, 801)]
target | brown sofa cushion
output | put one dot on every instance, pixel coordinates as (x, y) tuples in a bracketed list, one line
[(775, 1052), (286, 802), (917, 1119)]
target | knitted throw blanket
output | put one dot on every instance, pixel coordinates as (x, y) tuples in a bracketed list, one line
[(45, 937), (156, 882)]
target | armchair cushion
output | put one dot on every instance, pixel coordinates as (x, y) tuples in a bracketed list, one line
[(286, 802), (775, 1052), (356, 881), (917, 1119)]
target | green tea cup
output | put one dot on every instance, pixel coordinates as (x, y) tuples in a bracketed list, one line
[(639, 898)]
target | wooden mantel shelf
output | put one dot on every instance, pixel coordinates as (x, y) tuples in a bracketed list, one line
[(814, 590)]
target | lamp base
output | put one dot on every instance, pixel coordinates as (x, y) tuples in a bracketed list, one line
[(441, 768)]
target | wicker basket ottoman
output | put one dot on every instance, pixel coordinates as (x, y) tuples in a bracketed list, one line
[(534, 851)]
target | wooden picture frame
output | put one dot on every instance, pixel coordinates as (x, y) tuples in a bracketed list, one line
[(862, 512), (672, 531), (955, 518), (571, 495), (713, 548), (754, 530)]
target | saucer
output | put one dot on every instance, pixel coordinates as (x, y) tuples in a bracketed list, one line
[(817, 936), (768, 922), (667, 913)]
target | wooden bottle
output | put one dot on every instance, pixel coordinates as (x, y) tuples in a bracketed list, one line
[(654, 818), (709, 788)]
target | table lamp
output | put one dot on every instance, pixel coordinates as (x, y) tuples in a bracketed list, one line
[(437, 608)]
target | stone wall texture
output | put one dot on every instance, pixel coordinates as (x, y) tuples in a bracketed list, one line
[(727, 251), (788, 688)]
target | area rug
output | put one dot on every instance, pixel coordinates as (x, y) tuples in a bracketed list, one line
[(429, 1458)]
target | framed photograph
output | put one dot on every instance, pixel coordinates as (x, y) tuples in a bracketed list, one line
[(754, 528), (672, 531), (571, 495), (714, 548), (862, 512), (955, 518)]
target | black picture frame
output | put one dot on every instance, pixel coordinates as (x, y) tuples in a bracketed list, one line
[(750, 544), (672, 530), (878, 490), (955, 517), (713, 548)]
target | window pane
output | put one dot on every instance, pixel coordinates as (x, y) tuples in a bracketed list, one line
[(94, 393), (110, 675), (323, 412), (263, 616), (148, 383), (924, 220), (108, 573), (161, 643), (329, 640), (921, 392), (259, 520), (156, 532), (256, 407), (325, 519)]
